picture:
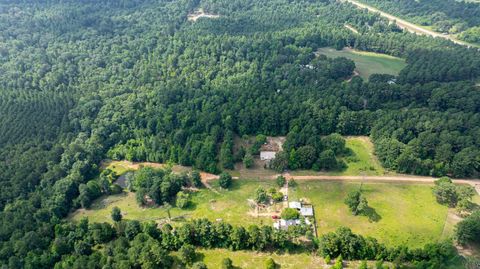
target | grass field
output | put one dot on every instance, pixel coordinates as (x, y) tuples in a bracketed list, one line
[(362, 161), (406, 213), (368, 63), (253, 260), (231, 206)]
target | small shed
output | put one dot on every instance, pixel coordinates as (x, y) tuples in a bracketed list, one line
[(306, 211), (268, 151)]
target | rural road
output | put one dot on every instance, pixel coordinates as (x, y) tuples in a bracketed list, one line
[(206, 177), (401, 178), (405, 24)]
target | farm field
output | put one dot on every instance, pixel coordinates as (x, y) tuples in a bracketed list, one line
[(361, 162), (402, 213), (231, 206), (368, 63)]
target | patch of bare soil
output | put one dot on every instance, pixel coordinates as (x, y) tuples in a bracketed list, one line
[(200, 13), (279, 140)]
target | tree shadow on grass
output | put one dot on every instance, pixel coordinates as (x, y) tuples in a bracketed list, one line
[(199, 257), (372, 214), (191, 206)]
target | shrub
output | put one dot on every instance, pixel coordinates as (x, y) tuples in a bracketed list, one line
[(196, 179), (363, 265), (270, 264), (115, 189), (248, 160), (261, 196), (227, 263), (277, 197), (116, 214), (281, 181), (183, 200), (468, 230), (187, 253), (225, 180)]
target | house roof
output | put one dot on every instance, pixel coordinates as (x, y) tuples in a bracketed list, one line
[(306, 211)]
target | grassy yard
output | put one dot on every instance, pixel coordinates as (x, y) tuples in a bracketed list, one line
[(368, 63), (362, 161), (231, 206), (406, 213)]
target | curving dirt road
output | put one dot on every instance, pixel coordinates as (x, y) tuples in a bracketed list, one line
[(407, 25)]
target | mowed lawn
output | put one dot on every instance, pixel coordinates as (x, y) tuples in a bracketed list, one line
[(368, 63), (229, 205), (407, 213), (362, 161)]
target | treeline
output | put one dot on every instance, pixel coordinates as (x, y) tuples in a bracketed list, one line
[(159, 186), (131, 244), (304, 149), (344, 243)]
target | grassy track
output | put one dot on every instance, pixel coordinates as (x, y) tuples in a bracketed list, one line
[(368, 63), (408, 213)]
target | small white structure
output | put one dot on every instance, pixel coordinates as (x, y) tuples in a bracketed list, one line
[(267, 155), (296, 205), (269, 150), (284, 224), (306, 211)]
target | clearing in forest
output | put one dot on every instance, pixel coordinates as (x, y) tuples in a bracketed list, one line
[(400, 214), (200, 13), (231, 206), (368, 63), (361, 162)]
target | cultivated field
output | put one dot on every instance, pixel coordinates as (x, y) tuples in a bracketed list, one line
[(368, 63)]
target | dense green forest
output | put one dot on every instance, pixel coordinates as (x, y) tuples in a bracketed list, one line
[(84, 80), (445, 16)]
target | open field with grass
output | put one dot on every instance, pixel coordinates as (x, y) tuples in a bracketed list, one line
[(361, 162), (121, 167), (231, 206), (253, 260), (368, 63), (401, 213)]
